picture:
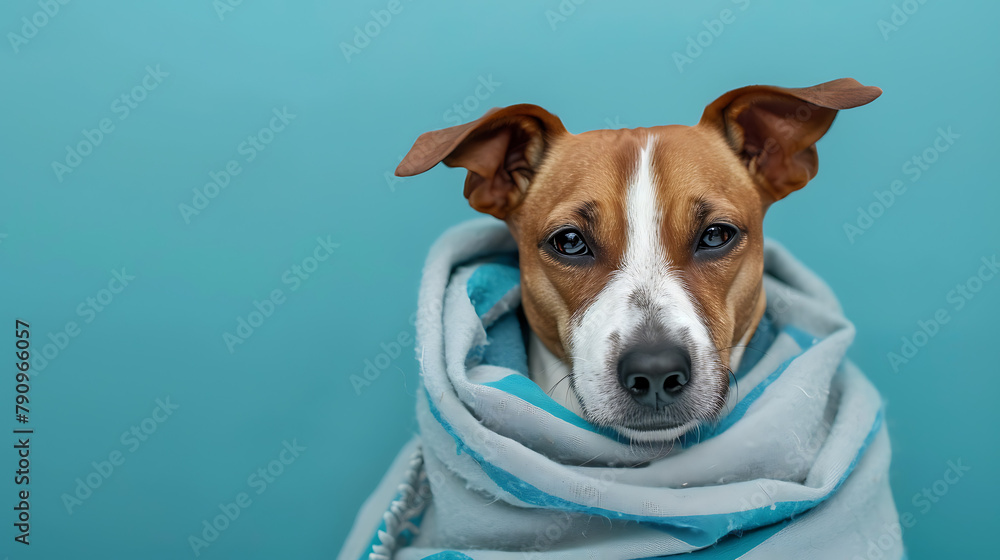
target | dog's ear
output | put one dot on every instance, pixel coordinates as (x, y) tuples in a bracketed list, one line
[(501, 150), (774, 130)]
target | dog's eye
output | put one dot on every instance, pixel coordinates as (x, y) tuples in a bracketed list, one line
[(570, 242), (716, 236)]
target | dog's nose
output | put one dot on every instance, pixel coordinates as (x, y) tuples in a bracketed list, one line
[(656, 377)]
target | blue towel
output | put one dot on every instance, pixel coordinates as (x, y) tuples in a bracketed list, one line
[(797, 466)]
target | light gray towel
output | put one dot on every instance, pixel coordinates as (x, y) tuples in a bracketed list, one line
[(797, 467)]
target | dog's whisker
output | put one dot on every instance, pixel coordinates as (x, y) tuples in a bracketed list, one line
[(744, 347), (736, 383), (553, 387), (583, 464), (495, 500)]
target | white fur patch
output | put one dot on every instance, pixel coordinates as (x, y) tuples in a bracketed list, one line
[(551, 374), (646, 269)]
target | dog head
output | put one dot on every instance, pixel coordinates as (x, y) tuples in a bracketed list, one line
[(641, 250)]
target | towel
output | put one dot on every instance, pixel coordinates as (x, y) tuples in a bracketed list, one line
[(795, 467)]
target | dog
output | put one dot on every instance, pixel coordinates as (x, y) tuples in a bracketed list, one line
[(641, 250)]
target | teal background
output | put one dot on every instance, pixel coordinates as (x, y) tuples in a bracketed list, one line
[(605, 64)]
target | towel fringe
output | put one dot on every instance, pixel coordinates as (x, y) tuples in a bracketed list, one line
[(413, 495)]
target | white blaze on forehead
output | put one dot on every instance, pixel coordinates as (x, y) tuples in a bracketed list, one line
[(644, 252), (646, 269), (647, 266)]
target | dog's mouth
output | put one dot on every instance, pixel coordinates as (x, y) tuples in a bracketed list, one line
[(673, 419)]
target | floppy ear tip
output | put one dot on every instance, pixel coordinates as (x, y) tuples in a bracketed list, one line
[(871, 93), (406, 169), (857, 93), (421, 157), (415, 164)]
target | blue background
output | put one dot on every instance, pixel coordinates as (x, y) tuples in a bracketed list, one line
[(324, 176)]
